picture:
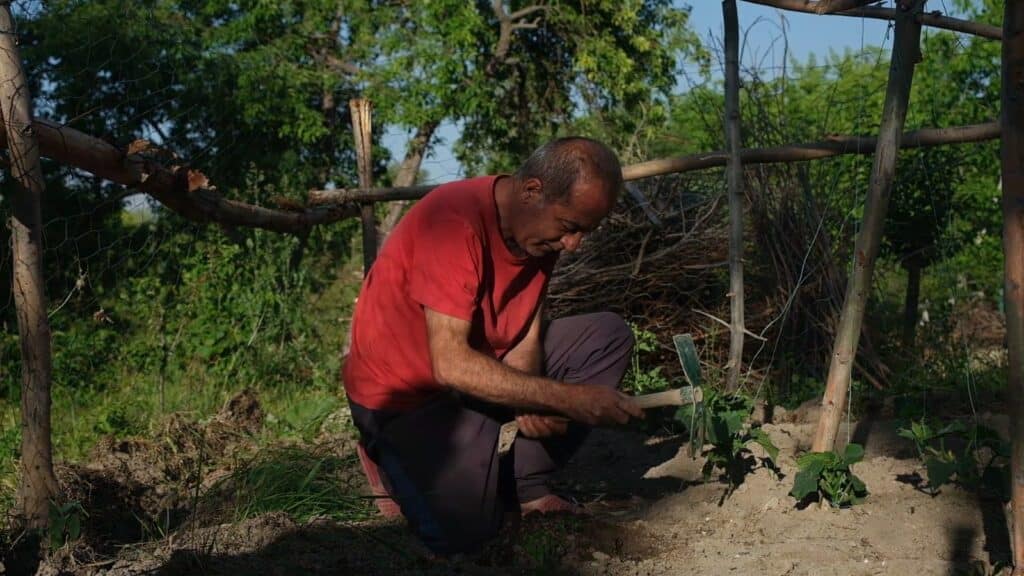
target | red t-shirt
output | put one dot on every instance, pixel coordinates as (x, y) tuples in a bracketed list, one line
[(447, 254)]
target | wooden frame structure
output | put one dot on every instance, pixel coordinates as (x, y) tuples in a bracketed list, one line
[(188, 193)]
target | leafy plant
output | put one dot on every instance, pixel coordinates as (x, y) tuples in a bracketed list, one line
[(721, 422), (828, 475), (640, 380), (953, 454), (65, 523)]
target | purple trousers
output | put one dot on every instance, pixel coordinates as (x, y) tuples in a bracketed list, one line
[(440, 461)]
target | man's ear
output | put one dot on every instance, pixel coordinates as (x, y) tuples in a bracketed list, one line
[(533, 190)]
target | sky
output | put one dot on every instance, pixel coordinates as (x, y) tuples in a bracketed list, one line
[(763, 49)]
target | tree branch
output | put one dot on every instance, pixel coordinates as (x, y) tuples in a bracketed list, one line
[(179, 188), (933, 19), (832, 6), (508, 23), (833, 146)]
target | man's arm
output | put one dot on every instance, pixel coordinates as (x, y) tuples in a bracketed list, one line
[(528, 355), (457, 365)]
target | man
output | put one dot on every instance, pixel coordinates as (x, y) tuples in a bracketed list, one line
[(448, 343)]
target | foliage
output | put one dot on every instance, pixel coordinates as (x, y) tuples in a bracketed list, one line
[(302, 483), (640, 380), (65, 523), (722, 422), (973, 457), (828, 475)]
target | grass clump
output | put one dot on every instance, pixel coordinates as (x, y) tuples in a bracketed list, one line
[(297, 481)]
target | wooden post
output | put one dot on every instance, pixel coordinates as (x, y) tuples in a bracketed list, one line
[(905, 54), (1013, 253), (734, 177), (38, 485), (362, 129)]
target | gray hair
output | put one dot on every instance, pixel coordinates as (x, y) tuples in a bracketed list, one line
[(562, 163)]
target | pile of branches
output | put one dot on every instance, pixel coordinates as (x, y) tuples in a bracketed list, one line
[(661, 260), (662, 254)]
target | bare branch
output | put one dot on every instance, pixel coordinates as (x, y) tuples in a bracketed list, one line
[(933, 19), (832, 6), (508, 23), (833, 146), (524, 12), (179, 188)]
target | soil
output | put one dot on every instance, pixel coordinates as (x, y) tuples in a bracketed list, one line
[(650, 512)]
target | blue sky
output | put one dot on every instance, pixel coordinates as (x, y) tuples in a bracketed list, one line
[(763, 50)]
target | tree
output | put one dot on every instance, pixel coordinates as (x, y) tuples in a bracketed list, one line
[(38, 484)]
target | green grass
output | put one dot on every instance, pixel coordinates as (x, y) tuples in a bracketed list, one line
[(296, 481), (131, 398)]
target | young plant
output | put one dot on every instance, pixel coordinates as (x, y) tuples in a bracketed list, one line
[(65, 523), (720, 421), (721, 424), (961, 466), (641, 380), (828, 475)]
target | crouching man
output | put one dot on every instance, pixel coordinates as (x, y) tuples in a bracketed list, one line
[(449, 342)]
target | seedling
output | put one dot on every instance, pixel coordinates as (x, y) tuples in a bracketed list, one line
[(722, 425), (640, 380), (65, 523), (952, 455), (828, 475), (721, 422)]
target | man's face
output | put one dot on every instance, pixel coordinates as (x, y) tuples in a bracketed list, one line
[(550, 227)]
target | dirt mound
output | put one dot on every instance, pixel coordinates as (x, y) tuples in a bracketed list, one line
[(135, 489)]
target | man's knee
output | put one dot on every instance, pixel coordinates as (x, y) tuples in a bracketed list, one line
[(616, 330)]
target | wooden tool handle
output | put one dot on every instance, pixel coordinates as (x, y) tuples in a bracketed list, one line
[(677, 397)]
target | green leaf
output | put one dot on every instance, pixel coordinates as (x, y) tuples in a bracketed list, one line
[(765, 441), (818, 460), (733, 421), (74, 526), (806, 483), (939, 471), (858, 486), (853, 453), (687, 352)]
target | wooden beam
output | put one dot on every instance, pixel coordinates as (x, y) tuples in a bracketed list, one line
[(170, 185), (833, 146), (1012, 157), (361, 110), (37, 485), (181, 189), (833, 6), (933, 19), (734, 180), (905, 55)]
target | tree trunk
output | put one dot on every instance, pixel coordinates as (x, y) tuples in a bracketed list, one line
[(407, 174), (38, 485), (910, 302), (1013, 252), (905, 54), (734, 175)]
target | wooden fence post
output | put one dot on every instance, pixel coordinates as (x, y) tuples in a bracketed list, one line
[(362, 130), (1013, 253), (734, 177), (906, 52), (38, 484)]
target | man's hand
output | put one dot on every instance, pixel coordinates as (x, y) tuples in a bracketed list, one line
[(598, 405), (541, 426)]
